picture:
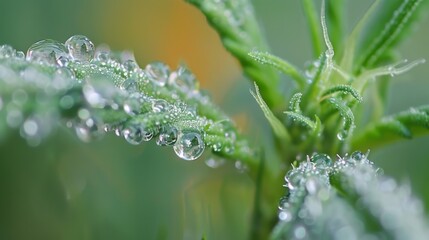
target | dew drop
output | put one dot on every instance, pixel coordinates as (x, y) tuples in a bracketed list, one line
[(300, 232), (47, 52), (321, 159), (293, 179), (357, 156), (136, 132), (132, 105), (285, 216), (189, 145), (167, 136), (131, 66), (6, 51), (102, 56), (158, 72), (240, 166), (159, 105), (88, 129), (214, 162), (342, 135), (183, 79), (14, 118), (20, 54), (133, 134), (217, 147), (130, 85), (30, 128), (80, 48)]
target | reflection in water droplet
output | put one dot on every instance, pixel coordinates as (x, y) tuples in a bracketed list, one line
[(167, 136), (158, 72), (80, 48), (47, 52), (133, 134), (189, 145), (131, 66), (342, 135)]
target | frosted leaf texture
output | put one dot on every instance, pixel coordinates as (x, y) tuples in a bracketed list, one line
[(96, 91)]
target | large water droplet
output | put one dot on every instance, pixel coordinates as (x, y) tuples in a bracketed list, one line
[(183, 79), (88, 129), (300, 232), (285, 216), (167, 136), (47, 52), (158, 72), (80, 48), (189, 145), (6, 51)]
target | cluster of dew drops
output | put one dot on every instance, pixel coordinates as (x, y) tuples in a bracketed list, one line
[(188, 144)]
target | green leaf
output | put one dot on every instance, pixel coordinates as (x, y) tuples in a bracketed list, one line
[(389, 23), (235, 22), (279, 64), (294, 103), (407, 124), (343, 89), (345, 112), (277, 126), (103, 94), (301, 119)]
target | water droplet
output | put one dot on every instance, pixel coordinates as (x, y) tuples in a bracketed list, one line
[(217, 147), (20, 54), (14, 118), (47, 52), (130, 85), (214, 162), (293, 179), (312, 186), (240, 166), (321, 160), (136, 133), (6, 51), (63, 61), (183, 79), (88, 129), (102, 56), (357, 156), (342, 135), (159, 105), (80, 48), (167, 136), (189, 145), (132, 105), (63, 79), (158, 72), (131, 66), (30, 128), (300, 232), (285, 216)]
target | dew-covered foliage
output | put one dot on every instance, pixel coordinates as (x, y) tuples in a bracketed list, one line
[(347, 199), (95, 91)]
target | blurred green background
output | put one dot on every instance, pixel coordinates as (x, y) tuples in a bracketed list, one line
[(65, 189)]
